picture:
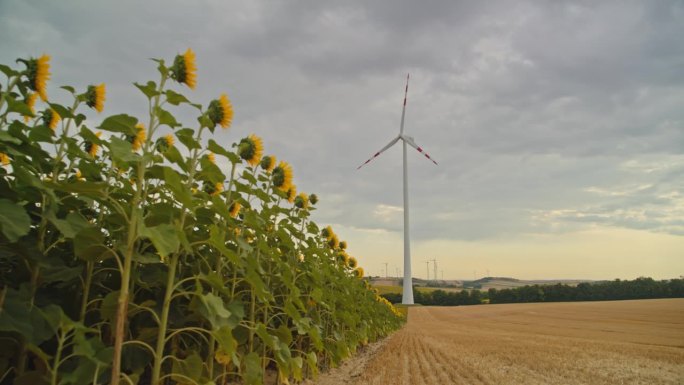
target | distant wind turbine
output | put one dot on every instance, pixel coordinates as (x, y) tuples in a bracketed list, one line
[(407, 296)]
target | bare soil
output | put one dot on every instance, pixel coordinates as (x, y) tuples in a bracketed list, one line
[(619, 342)]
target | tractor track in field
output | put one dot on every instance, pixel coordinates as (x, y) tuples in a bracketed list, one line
[(619, 342)]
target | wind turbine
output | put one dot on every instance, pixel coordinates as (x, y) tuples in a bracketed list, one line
[(407, 296)]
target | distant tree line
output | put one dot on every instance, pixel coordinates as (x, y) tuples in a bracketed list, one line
[(640, 288), (440, 297)]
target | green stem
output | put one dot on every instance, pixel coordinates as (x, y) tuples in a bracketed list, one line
[(58, 357), (86, 290), (11, 85)]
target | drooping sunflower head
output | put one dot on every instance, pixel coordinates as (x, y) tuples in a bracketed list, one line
[(51, 118), (222, 357), (352, 262), (31, 103), (234, 209), (139, 138), (302, 201), (313, 198), (213, 188), (291, 193), (343, 257), (184, 69), (282, 176), (333, 242), (327, 233), (268, 163), (38, 73), (211, 157), (251, 149), (91, 147), (220, 111), (343, 245), (4, 159), (95, 97), (358, 272)]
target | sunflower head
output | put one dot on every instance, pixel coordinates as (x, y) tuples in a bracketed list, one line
[(51, 118), (79, 176), (4, 159), (327, 233), (343, 245), (343, 257), (302, 201), (222, 357), (220, 111), (352, 262), (234, 209), (333, 242), (211, 157), (213, 188), (282, 176), (251, 149), (92, 148), (291, 193), (358, 272), (38, 73), (184, 69), (268, 163), (95, 97), (313, 198), (31, 103), (139, 138), (164, 143)]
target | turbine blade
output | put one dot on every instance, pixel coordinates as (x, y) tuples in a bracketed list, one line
[(413, 144), (390, 144)]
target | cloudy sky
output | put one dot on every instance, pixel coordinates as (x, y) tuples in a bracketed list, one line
[(558, 126)]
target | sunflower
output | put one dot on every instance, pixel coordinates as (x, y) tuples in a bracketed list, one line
[(31, 103), (222, 357), (79, 176), (211, 158), (38, 73), (4, 159), (358, 272), (164, 143), (51, 118), (282, 176), (95, 97), (343, 257), (184, 69), (302, 201), (234, 209), (343, 245), (220, 111), (218, 188), (93, 148), (333, 242), (169, 140), (327, 233), (139, 138), (268, 163), (352, 262), (313, 198), (251, 149), (291, 193)]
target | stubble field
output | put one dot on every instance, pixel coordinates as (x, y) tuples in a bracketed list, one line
[(620, 342)]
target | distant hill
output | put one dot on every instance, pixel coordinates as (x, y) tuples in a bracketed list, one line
[(485, 283)]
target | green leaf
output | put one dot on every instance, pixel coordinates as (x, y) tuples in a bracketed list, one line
[(188, 369), (175, 98), (5, 137), (109, 306), (252, 373), (212, 310), (69, 226), (120, 123), (217, 149), (122, 151), (89, 244), (14, 220), (185, 136), (226, 341), (163, 238), (165, 117), (81, 187), (18, 106), (179, 189), (68, 88), (7, 70), (63, 112), (149, 89)]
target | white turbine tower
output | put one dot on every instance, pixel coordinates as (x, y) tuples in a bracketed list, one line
[(407, 297)]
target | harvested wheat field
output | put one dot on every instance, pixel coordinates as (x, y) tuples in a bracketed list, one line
[(620, 342)]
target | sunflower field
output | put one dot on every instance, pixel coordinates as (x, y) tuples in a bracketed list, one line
[(129, 256)]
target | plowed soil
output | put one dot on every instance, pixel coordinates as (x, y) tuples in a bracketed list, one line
[(619, 342)]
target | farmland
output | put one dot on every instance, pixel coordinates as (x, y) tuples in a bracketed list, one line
[(620, 342)]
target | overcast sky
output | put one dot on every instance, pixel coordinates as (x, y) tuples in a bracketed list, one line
[(558, 126)]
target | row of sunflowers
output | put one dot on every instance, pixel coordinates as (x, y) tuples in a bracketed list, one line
[(129, 255)]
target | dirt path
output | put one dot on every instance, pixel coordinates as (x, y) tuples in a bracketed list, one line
[(621, 342)]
